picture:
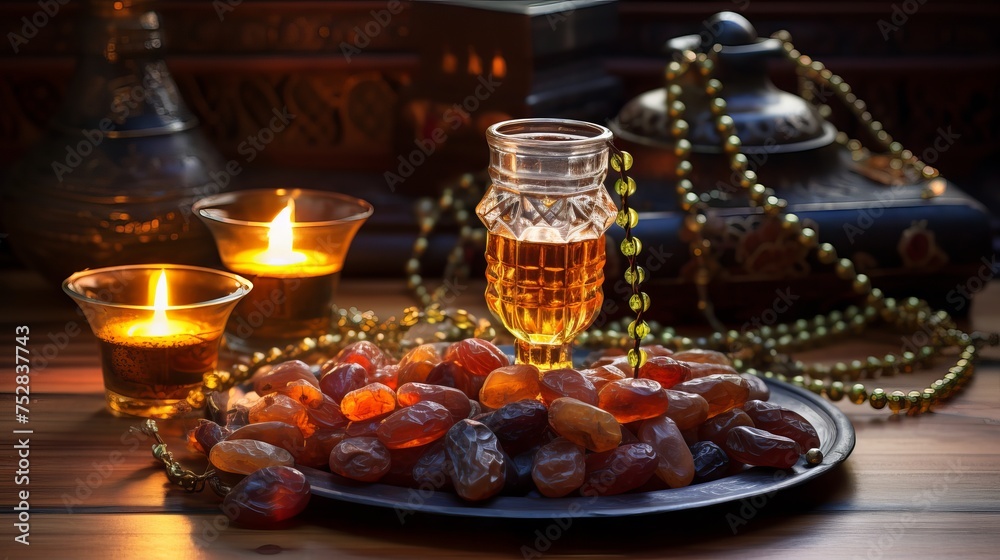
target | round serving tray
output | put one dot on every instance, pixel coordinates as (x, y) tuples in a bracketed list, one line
[(834, 429)]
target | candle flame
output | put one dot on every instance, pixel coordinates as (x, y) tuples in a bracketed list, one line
[(279, 239), (159, 325)]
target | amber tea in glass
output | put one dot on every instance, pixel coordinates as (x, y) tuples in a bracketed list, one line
[(546, 212)]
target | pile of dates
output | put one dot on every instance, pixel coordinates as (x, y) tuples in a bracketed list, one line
[(460, 417)]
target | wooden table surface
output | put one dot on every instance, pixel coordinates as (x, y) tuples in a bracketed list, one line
[(926, 486)]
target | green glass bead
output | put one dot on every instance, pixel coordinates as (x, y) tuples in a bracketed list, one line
[(631, 247), (616, 161), (638, 331), (630, 218), (636, 359), (638, 275), (817, 386), (897, 402), (625, 188), (836, 391), (639, 302), (878, 399), (799, 381), (858, 394)]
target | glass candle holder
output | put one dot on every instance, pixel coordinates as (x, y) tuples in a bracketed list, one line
[(545, 214), (159, 327), (291, 243)]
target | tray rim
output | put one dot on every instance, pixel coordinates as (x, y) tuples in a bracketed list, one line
[(406, 501)]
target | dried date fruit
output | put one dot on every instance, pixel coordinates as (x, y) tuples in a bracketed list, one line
[(454, 400), (630, 400), (602, 375), (281, 374), (703, 356), (316, 451), (267, 496), (445, 374), (386, 375), (339, 379), (279, 434), (328, 415), (414, 372), (584, 424), (723, 392), (475, 459), (716, 428), (303, 391), (759, 448), (710, 461), (699, 369), (519, 426), (665, 370), (205, 435), (416, 425), (431, 470), (476, 356), (364, 353), (759, 391), (675, 466), (619, 470), (423, 353), (245, 456), (366, 428), (559, 468), (282, 408), (509, 384), (518, 476), (364, 459), (567, 382), (783, 422), (374, 399), (687, 410)]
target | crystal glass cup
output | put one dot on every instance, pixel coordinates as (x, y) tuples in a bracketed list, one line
[(159, 328), (545, 213), (292, 244)]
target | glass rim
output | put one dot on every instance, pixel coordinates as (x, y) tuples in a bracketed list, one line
[(595, 133), (243, 286), (200, 207)]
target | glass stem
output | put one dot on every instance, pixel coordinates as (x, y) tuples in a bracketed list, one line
[(544, 356)]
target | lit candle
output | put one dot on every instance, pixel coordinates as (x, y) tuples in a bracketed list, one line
[(293, 261), (281, 259), (160, 326)]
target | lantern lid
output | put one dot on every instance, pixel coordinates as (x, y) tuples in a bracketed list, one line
[(767, 119)]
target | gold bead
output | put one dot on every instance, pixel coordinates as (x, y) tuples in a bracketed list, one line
[(799, 381), (845, 269), (897, 402), (682, 148), (807, 237), (814, 456), (717, 106), (713, 87), (861, 284), (835, 391), (732, 144), (817, 386), (826, 253), (858, 394), (724, 124), (679, 128), (878, 399), (748, 179), (791, 222), (738, 163)]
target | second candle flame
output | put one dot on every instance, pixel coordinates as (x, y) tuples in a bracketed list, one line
[(279, 239)]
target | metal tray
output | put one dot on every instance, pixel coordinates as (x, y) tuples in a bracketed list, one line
[(835, 431)]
